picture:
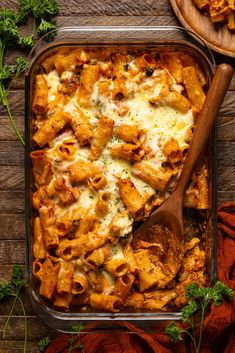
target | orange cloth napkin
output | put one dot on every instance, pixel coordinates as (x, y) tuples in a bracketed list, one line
[(219, 325)]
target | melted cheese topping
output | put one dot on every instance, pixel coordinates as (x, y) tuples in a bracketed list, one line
[(160, 123)]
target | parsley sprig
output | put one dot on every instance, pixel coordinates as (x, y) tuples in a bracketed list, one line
[(76, 329), (199, 298), (11, 38), (43, 343), (12, 289)]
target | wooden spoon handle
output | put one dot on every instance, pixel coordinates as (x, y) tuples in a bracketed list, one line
[(213, 102)]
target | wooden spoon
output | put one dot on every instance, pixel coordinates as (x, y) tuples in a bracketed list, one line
[(169, 214)]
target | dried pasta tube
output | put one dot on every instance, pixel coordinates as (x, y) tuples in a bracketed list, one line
[(41, 198), (63, 301), (131, 197), (89, 76), (49, 63), (81, 127), (102, 135), (135, 300), (144, 61), (38, 269), (82, 170), (193, 87), (47, 217), (50, 233), (172, 151), (105, 302), (123, 285), (51, 126), (42, 167), (177, 101), (97, 182), (49, 277), (51, 237), (70, 249), (97, 257), (102, 205), (117, 266), (129, 256), (119, 87), (67, 149), (157, 178), (87, 224), (80, 283), (40, 97), (127, 151), (131, 133), (173, 63), (65, 277), (39, 251)]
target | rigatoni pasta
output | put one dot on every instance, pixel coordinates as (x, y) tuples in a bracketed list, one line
[(112, 130)]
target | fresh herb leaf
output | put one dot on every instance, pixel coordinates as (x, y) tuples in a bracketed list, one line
[(20, 66), (6, 72), (80, 346), (77, 328), (46, 27), (41, 11), (17, 277), (173, 332), (38, 8), (200, 297), (9, 31), (26, 42), (5, 290), (71, 340), (12, 289), (188, 310), (222, 291), (43, 343)]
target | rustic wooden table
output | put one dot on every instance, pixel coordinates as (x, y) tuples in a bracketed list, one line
[(12, 231)]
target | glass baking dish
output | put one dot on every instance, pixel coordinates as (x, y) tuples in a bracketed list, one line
[(156, 38)]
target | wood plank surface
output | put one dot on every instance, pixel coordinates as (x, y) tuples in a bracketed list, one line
[(12, 234), (107, 7)]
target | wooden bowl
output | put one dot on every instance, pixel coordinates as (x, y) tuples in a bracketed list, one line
[(217, 36)]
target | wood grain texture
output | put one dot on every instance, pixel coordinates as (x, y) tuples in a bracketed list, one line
[(218, 37), (225, 153), (12, 227), (16, 102), (226, 128), (11, 201), (226, 180), (106, 7), (18, 309), (12, 252), (36, 332), (14, 346), (11, 153), (6, 130), (11, 178)]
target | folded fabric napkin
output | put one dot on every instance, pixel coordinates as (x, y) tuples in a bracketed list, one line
[(219, 325)]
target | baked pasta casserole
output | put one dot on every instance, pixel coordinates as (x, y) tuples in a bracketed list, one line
[(111, 131)]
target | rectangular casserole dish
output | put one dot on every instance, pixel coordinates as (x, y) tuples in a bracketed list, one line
[(156, 38)]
